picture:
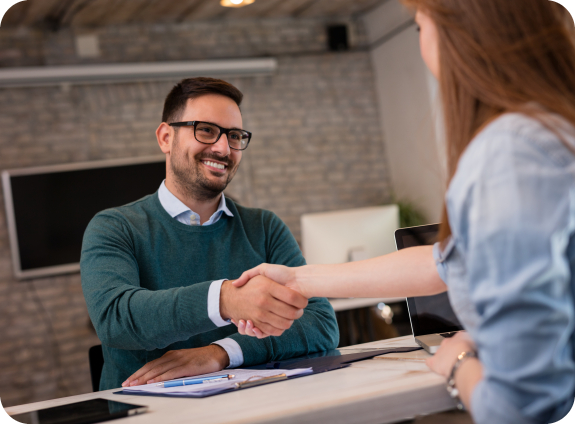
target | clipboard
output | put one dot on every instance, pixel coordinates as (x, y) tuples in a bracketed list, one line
[(313, 364), (243, 379)]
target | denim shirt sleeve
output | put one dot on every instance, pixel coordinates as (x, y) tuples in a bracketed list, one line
[(512, 210), (440, 256)]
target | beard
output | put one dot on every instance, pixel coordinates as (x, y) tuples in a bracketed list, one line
[(190, 178)]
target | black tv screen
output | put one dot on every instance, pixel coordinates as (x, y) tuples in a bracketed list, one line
[(48, 208)]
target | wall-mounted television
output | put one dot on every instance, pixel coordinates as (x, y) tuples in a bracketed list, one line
[(49, 207)]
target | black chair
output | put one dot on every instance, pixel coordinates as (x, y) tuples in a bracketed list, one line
[(96, 363)]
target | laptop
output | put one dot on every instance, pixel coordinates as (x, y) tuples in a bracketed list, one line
[(432, 318)]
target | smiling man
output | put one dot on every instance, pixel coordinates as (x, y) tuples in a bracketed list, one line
[(156, 272)]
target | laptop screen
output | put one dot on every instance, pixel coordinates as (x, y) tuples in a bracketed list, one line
[(428, 314)]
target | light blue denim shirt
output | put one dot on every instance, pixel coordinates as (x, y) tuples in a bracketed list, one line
[(510, 268)]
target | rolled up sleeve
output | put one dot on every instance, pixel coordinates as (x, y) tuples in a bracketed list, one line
[(440, 255)]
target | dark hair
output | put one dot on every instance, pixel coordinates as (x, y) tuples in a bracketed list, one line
[(192, 88), (496, 57)]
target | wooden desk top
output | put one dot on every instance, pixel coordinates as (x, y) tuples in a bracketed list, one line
[(379, 390)]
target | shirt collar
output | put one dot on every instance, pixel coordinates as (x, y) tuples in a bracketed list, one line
[(175, 206)]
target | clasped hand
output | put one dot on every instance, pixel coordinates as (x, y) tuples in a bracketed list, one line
[(270, 307), (283, 276)]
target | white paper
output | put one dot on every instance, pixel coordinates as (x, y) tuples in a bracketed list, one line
[(205, 389)]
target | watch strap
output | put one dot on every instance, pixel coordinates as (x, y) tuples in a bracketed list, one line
[(451, 388)]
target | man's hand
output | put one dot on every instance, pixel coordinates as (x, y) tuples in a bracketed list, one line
[(271, 307), (180, 363)]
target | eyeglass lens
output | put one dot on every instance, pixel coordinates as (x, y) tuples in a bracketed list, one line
[(207, 133)]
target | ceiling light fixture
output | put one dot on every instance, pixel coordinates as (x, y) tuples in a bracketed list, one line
[(235, 3)]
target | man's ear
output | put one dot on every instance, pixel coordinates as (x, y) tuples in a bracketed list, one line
[(164, 134)]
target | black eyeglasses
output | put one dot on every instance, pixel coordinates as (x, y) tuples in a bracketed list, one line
[(208, 133)]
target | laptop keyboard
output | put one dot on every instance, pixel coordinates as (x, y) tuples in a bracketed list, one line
[(448, 335)]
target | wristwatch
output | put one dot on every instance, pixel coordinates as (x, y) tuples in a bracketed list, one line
[(451, 389)]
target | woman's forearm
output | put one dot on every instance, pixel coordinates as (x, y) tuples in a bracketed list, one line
[(408, 272)]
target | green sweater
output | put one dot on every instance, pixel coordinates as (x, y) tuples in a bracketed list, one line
[(146, 278)]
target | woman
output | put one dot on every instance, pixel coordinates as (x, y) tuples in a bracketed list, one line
[(506, 70)]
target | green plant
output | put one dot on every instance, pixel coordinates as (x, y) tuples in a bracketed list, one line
[(409, 214)]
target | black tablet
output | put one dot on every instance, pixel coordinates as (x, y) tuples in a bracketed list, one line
[(90, 411)]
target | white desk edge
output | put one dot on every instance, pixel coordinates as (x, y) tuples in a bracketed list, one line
[(382, 390)]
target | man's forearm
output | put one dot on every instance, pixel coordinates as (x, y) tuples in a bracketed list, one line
[(138, 319)]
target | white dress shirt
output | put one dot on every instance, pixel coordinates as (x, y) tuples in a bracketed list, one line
[(177, 210)]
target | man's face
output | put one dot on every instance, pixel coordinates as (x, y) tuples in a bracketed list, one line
[(196, 167)]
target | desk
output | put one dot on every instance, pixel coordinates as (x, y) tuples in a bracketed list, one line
[(374, 391)]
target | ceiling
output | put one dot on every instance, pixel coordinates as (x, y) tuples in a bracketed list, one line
[(54, 14)]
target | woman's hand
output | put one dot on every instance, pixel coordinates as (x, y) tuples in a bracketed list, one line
[(279, 273), (469, 373), (246, 328), (442, 362)]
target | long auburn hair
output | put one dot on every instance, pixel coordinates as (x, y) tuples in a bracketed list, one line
[(498, 56)]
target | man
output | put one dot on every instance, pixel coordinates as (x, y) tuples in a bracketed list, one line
[(155, 272)]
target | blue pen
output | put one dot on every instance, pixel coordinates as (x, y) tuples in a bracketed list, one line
[(190, 381)]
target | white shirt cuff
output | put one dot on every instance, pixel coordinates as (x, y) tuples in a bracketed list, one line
[(214, 304), (233, 350)]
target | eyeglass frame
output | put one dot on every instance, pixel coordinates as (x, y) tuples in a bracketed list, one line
[(223, 130)]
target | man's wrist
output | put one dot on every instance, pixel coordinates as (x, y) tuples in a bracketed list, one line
[(234, 351), (220, 356), (224, 299), (214, 295)]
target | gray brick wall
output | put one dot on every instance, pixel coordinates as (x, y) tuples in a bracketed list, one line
[(317, 146), (185, 41)]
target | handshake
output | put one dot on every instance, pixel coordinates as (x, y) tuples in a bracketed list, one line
[(264, 301)]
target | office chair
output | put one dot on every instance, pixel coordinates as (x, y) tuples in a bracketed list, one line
[(96, 358)]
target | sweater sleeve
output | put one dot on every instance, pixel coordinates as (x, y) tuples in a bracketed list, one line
[(315, 331), (126, 315)]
